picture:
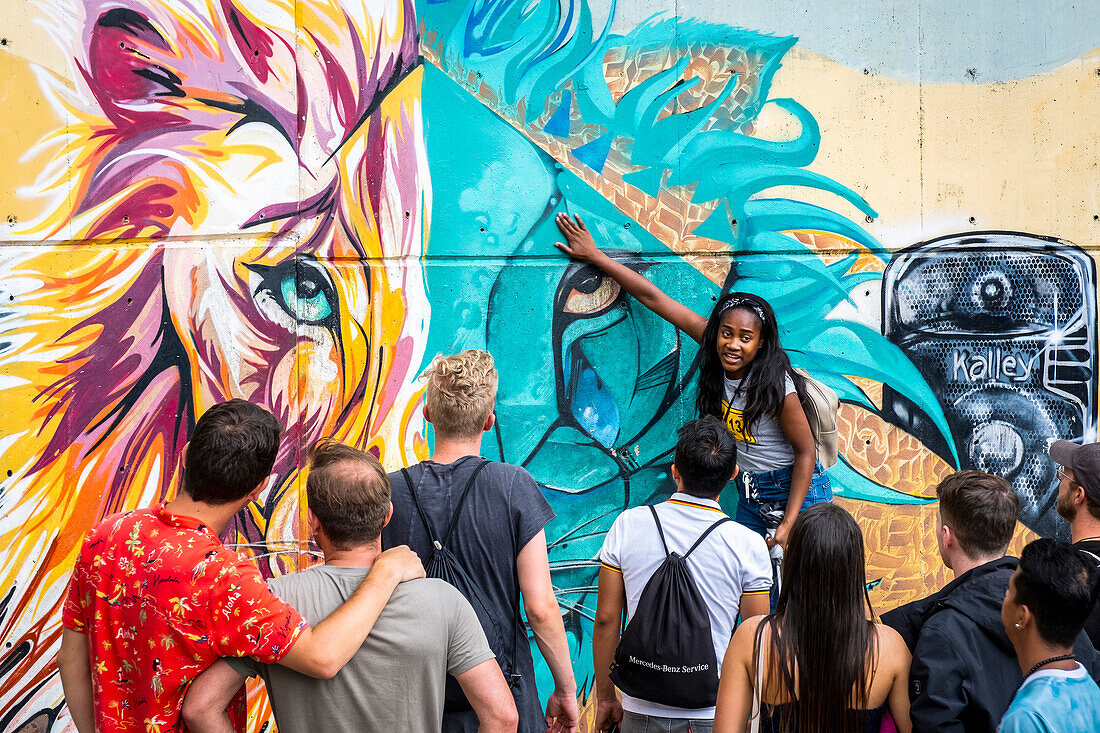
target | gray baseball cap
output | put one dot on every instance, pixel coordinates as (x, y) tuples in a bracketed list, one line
[(1084, 461)]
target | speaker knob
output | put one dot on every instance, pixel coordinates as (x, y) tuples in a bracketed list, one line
[(996, 447), (992, 292)]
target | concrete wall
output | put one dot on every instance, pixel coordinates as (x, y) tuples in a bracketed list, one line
[(300, 203)]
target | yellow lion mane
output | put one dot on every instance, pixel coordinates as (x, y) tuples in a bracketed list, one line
[(245, 220)]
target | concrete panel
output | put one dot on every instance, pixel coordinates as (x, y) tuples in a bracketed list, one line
[(302, 203)]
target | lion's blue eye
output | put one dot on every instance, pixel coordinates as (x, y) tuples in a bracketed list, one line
[(302, 289), (305, 295)]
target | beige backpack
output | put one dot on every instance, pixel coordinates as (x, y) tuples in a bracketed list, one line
[(821, 412)]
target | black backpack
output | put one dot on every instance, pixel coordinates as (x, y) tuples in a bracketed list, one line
[(666, 653), (445, 565)]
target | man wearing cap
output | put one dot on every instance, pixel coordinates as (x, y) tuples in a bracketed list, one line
[(1079, 503)]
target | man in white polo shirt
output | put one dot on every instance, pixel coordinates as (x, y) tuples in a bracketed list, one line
[(731, 569)]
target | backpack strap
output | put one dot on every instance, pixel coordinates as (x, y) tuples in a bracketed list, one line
[(660, 530), (458, 508), (1093, 555), (707, 531), (462, 500), (420, 510)]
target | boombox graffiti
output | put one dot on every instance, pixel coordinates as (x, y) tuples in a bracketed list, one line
[(1003, 326)]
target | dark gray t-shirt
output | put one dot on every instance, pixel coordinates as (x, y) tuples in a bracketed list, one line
[(395, 681), (503, 511)]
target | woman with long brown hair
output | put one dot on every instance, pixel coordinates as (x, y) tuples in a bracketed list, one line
[(817, 663)]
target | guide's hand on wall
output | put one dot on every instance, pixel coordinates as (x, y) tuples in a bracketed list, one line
[(581, 245)]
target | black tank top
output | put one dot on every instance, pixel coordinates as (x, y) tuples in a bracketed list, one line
[(860, 721)]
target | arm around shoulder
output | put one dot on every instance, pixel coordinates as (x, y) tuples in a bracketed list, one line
[(322, 651)]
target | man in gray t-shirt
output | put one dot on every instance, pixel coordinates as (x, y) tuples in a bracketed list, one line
[(395, 681)]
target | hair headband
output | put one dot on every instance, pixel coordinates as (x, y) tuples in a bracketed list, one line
[(743, 303)]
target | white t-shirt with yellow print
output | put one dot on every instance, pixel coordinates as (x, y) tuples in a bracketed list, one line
[(762, 446)]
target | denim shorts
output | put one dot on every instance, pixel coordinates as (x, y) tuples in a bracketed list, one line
[(762, 497), (638, 723)]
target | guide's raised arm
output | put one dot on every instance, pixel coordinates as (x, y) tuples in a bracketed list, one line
[(581, 246)]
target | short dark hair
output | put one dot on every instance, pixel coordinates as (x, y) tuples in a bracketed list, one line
[(1058, 586), (349, 493), (706, 456), (230, 453), (981, 510)]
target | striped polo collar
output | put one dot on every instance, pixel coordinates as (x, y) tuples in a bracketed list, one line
[(688, 500)]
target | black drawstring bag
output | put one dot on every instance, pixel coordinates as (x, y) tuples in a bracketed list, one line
[(444, 565), (666, 653)]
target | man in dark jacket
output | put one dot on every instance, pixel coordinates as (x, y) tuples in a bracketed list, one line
[(964, 669)]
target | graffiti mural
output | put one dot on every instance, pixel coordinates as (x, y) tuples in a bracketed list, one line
[(1005, 326), (234, 194), (232, 197), (591, 403)]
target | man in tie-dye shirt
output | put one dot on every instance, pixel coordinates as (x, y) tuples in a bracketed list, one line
[(155, 598), (1049, 597)]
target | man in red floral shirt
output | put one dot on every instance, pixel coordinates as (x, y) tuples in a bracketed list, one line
[(155, 597)]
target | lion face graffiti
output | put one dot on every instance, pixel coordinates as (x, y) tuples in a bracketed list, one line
[(245, 186)]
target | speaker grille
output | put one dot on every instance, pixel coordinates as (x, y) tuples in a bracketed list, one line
[(989, 292), (1003, 327)]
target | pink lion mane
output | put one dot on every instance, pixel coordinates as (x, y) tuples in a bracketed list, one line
[(236, 207)]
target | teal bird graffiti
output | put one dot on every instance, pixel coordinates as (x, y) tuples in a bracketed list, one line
[(593, 385)]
